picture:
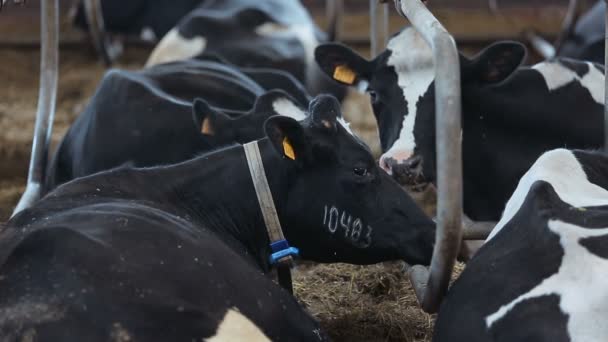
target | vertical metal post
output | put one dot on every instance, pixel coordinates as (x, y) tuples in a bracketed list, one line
[(106, 49), (385, 24), (431, 284), (378, 31), (333, 16), (373, 28), (606, 82), (49, 60)]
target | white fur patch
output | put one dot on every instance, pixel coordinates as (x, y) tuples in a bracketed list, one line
[(580, 283), (561, 169), (174, 47), (304, 33), (285, 107), (412, 59), (346, 125), (236, 327), (557, 75)]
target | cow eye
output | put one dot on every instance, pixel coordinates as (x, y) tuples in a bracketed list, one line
[(360, 171), (373, 95)]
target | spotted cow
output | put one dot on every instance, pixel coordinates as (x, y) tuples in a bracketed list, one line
[(180, 252), (149, 19), (511, 114), (541, 276), (273, 33), (170, 113)]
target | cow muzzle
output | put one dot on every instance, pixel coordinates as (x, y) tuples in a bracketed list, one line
[(406, 172)]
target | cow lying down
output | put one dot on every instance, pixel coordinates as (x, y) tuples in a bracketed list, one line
[(178, 253), (542, 275), (147, 118)]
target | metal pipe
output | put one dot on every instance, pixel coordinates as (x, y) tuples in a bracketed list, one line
[(334, 11), (385, 24), (378, 29), (606, 82), (431, 285), (373, 28), (540, 45), (567, 25), (94, 16), (477, 230), (49, 60)]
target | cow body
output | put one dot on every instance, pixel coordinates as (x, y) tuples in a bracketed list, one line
[(162, 253), (586, 41), (150, 19), (250, 33), (542, 274), (146, 118), (510, 114)]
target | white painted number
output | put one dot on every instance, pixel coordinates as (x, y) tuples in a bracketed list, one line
[(353, 229)]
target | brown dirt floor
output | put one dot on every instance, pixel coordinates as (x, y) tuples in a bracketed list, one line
[(353, 303)]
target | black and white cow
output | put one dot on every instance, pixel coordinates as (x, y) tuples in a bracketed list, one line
[(148, 19), (541, 276), (178, 253), (511, 114), (251, 33), (147, 118), (586, 41)]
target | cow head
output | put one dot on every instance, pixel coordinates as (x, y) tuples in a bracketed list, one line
[(273, 34), (341, 207), (400, 82), (221, 129)]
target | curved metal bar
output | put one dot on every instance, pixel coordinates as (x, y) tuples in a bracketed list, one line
[(334, 11), (480, 230), (431, 285), (606, 82), (385, 24), (378, 30), (49, 60), (541, 45), (373, 28), (94, 16), (567, 26)]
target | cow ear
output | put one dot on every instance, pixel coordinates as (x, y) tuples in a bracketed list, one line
[(324, 111), (342, 64), (495, 63), (288, 138), (207, 120)]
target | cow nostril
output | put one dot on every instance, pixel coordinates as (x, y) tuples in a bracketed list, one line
[(385, 165), (413, 162)]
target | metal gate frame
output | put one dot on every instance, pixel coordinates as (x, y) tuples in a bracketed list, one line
[(47, 95), (431, 284)]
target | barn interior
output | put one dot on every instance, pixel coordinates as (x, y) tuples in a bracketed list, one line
[(353, 303)]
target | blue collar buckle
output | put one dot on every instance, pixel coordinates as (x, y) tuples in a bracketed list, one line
[(281, 250)]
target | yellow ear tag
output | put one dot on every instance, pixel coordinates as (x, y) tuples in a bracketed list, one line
[(288, 149), (206, 129), (344, 74)]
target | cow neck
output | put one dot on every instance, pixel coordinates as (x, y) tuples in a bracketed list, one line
[(218, 193)]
